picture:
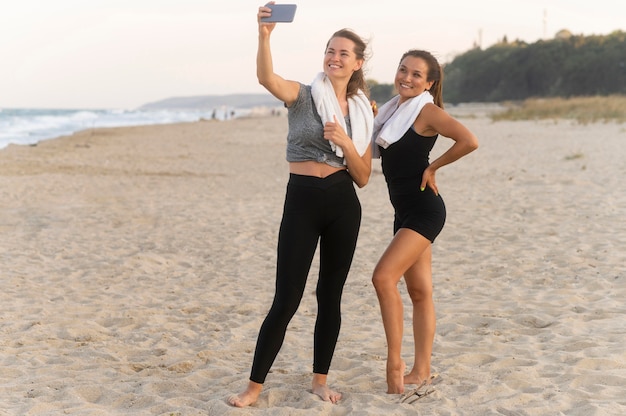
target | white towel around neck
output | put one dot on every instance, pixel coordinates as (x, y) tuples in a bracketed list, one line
[(359, 108), (393, 121)]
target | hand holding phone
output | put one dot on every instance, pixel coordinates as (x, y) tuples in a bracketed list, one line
[(280, 13)]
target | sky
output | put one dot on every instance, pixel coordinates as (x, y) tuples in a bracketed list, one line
[(121, 54)]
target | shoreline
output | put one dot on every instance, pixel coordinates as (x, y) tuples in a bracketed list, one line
[(32, 126)]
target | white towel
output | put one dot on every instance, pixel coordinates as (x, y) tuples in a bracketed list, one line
[(361, 116), (393, 121)]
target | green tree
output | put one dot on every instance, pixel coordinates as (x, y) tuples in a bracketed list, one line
[(562, 67)]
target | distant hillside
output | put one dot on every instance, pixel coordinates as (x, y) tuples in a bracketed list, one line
[(566, 66), (207, 102)]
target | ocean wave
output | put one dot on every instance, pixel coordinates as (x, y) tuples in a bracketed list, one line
[(30, 126)]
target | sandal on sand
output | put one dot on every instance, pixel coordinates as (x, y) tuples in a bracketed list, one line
[(421, 391)]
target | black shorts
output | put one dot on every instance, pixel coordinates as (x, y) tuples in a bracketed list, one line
[(420, 211)]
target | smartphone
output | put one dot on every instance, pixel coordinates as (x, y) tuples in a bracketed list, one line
[(280, 13)]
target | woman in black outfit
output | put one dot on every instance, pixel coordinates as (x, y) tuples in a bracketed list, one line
[(406, 129)]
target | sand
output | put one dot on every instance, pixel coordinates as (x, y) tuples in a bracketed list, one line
[(138, 263)]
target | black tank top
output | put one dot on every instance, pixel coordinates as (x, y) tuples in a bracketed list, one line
[(404, 161)]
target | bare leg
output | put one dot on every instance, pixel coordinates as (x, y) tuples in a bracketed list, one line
[(391, 309), (419, 285), (247, 397), (319, 387), (403, 251)]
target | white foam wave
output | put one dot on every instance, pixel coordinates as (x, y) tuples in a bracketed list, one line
[(30, 126)]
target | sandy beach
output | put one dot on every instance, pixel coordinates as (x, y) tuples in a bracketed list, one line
[(138, 263)]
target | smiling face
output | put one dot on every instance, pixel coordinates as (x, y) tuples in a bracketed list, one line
[(340, 60), (411, 78)]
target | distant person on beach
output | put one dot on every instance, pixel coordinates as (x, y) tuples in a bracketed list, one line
[(405, 130), (328, 150)]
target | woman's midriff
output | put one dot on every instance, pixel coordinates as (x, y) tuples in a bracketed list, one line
[(312, 168)]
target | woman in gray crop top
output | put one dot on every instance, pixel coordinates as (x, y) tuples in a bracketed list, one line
[(325, 160)]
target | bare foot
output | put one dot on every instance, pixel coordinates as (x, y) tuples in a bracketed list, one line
[(248, 397), (320, 387), (326, 393), (395, 378), (414, 378)]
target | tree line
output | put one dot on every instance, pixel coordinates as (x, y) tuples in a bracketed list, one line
[(566, 66)]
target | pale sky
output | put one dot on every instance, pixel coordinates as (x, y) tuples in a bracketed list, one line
[(125, 53)]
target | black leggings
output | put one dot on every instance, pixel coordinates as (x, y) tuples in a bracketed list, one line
[(324, 209)]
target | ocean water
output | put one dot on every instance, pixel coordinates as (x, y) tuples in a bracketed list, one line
[(30, 126)]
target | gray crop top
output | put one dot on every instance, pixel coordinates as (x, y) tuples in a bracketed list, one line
[(305, 139)]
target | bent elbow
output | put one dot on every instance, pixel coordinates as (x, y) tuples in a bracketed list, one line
[(265, 78), (361, 183), (263, 82), (473, 144)]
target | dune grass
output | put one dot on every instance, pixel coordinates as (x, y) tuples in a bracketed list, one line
[(584, 110)]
